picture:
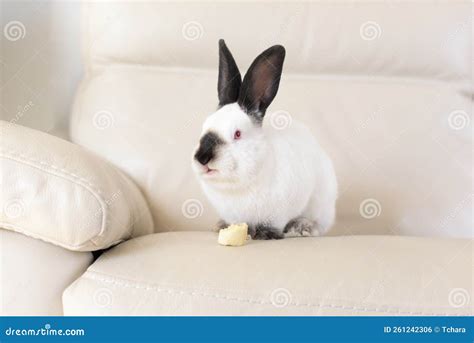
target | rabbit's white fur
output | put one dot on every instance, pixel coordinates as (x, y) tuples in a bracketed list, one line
[(280, 182), (268, 176)]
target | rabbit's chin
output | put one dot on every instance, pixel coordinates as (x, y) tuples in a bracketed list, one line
[(218, 180), (208, 173)]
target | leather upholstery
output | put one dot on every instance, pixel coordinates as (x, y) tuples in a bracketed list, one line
[(386, 87), (34, 275), (323, 37), (386, 93), (63, 194), (188, 273)]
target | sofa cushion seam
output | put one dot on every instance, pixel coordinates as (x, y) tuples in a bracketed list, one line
[(147, 287), (65, 175), (30, 233), (387, 79)]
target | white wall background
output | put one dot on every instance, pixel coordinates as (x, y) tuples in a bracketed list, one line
[(40, 62)]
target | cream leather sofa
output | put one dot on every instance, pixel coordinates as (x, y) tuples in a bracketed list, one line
[(385, 87)]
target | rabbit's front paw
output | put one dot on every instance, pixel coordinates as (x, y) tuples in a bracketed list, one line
[(299, 227), (262, 232)]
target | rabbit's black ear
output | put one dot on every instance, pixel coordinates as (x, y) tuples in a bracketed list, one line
[(261, 81), (229, 82)]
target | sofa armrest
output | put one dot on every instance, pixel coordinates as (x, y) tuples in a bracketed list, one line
[(34, 275), (65, 195)]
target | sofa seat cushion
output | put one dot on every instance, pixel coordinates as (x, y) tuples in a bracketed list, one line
[(188, 273), (34, 274)]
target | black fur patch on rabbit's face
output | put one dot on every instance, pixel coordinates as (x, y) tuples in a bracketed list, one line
[(234, 159), (208, 145)]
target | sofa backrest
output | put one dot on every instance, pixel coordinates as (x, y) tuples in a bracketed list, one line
[(385, 87)]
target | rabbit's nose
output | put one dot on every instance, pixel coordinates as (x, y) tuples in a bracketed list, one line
[(207, 146), (203, 156)]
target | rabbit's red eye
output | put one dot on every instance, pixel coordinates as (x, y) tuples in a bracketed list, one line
[(237, 134)]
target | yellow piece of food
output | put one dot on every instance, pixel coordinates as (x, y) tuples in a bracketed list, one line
[(235, 235)]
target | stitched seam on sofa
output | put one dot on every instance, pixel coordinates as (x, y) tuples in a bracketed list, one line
[(75, 179), (13, 154), (134, 218), (133, 284), (28, 232), (17, 229), (386, 79)]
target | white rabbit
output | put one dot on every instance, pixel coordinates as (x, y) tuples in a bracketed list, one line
[(280, 182)]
